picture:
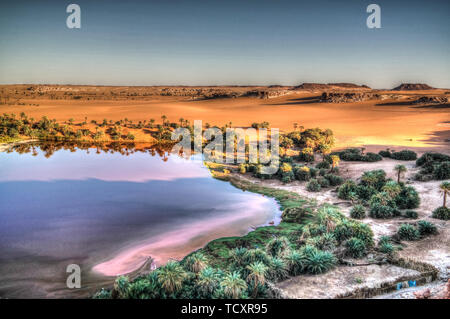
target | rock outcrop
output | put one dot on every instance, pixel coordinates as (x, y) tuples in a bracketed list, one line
[(412, 87), (432, 100), (329, 86), (348, 97)]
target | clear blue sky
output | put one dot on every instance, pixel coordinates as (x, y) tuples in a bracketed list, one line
[(213, 42)]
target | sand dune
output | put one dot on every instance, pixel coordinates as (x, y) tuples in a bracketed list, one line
[(391, 121)]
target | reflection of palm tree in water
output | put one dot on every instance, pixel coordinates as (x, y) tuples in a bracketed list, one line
[(126, 149)]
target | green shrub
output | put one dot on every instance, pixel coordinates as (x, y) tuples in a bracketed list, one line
[(346, 229), (365, 192), (392, 188), (277, 246), (121, 285), (355, 154), (382, 206), (313, 171), (287, 177), (408, 232), (426, 228), (347, 189), (378, 210), (313, 185), (375, 178), (372, 157), (278, 270), (238, 256), (144, 288), (323, 165), (441, 213), (442, 171), (358, 212), (324, 183), (355, 247), (334, 180), (385, 153), (432, 157), (320, 261), (303, 173), (405, 155), (326, 241), (257, 255), (408, 198), (296, 214), (433, 165), (306, 155), (286, 172), (411, 214), (295, 262), (102, 294), (386, 248), (384, 239), (423, 177)]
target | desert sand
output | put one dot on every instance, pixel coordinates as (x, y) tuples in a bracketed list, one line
[(391, 120)]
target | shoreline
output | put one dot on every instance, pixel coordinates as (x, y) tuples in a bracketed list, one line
[(234, 179)]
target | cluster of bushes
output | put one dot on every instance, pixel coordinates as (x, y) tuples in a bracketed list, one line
[(309, 141), (358, 212), (305, 242), (385, 198), (416, 231), (12, 128), (288, 172), (385, 245), (441, 213), (433, 166), (264, 124), (356, 154), (316, 184), (405, 155)]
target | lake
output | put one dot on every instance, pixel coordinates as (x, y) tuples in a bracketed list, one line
[(109, 209)]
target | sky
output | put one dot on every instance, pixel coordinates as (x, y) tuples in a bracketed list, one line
[(234, 42)]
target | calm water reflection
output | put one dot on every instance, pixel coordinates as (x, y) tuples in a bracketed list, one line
[(108, 212)]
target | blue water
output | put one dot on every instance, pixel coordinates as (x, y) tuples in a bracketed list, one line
[(108, 212)]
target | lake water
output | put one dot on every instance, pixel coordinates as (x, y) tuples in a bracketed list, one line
[(108, 212)]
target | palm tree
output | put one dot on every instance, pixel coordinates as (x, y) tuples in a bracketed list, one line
[(208, 280), (257, 275), (160, 133), (237, 255), (181, 121), (197, 262), (171, 276), (164, 118), (445, 188), (233, 285), (400, 169)]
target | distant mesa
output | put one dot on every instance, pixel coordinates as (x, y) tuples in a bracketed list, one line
[(328, 86), (412, 87)]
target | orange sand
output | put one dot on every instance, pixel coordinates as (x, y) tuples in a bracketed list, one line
[(359, 123)]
